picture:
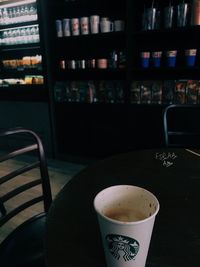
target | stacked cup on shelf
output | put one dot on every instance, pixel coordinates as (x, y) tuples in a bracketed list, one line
[(157, 59), (87, 25), (181, 14), (116, 60)]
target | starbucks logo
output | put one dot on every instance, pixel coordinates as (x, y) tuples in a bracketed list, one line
[(122, 247)]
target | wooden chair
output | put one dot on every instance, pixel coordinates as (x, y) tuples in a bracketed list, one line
[(24, 245), (182, 126)]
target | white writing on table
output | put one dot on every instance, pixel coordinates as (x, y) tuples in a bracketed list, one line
[(166, 158)]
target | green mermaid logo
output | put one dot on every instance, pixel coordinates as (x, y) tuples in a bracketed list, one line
[(122, 246)]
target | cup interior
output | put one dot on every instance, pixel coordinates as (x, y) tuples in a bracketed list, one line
[(190, 52), (126, 203), (145, 54), (171, 53)]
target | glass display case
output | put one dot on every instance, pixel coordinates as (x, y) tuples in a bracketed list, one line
[(21, 60), (24, 94)]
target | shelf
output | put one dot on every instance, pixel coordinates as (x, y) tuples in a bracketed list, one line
[(183, 37), (177, 30), (166, 73), (141, 106), (90, 44), (18, 25), (18, 47), (99, 37), (8, 73), (23, 92), (95, 74), (22, 86)]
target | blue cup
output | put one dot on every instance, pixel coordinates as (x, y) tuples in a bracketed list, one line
[(190, 56), (156, 59), (145, 57), (171, 58)]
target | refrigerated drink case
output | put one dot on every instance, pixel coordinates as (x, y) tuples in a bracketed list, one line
[(20, 44)]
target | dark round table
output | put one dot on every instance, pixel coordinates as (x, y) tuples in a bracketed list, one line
[(173, 175)]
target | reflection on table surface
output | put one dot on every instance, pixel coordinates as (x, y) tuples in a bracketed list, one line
[(173, 175)]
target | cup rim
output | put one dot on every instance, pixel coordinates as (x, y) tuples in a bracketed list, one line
[(122, 222), (194, 51), (145, 54), (94, 16), (170, 51), (156, 53)]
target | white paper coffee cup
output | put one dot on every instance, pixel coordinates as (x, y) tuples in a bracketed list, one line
[(94, 24), (66, 27), (119, 25), (84, 23), (106, 26), (59, 30), (75, 27), (126, 216)]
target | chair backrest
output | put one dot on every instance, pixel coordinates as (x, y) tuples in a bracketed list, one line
[(21, 170), (182, 126)]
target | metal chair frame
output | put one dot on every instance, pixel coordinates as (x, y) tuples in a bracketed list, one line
[(35, 147), (185, 132)]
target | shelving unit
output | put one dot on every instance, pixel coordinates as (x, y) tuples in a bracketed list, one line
[(99, 127), (178, 84), (104, 126), (164, 40)]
